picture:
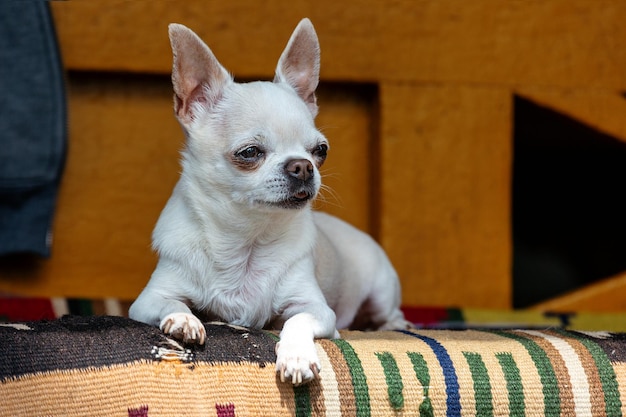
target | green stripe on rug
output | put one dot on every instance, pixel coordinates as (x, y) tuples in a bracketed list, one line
[(423, 376), (513, 384), (359, 381), (302, 398), (610, 388), (393, 379), (482, 384), (272, 335), (549, 382)]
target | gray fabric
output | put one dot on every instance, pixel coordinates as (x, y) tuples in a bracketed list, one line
[(32, 126)]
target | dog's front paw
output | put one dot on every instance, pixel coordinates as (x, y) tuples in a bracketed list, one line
[(185, 327), (297, 362)]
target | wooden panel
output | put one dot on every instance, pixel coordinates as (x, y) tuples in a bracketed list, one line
[(445, 201), (121, 167), (608, 295), (548, 42), (435, 189), (120, 170)]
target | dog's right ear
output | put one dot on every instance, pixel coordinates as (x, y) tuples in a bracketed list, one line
[(299, 64), (197, 76)]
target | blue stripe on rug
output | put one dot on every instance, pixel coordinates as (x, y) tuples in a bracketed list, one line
[(453, 400)]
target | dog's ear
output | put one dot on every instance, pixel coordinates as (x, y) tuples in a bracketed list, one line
[(197, 76), (299, 64)]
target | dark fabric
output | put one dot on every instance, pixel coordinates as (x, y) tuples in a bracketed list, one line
[(32, 126), (614, 346), (73, 342)]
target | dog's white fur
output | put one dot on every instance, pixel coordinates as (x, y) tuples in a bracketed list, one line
[(237, 240)]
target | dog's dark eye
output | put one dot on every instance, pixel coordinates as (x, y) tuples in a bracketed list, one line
[(251, 152), (320, 150)]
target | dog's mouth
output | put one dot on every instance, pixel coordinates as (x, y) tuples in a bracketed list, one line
[(295, 201), (301, 195)]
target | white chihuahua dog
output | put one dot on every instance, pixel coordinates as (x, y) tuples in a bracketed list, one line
[(237, 240)]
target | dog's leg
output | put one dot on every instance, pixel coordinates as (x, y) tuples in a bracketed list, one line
[(172, 316), (296, 356)]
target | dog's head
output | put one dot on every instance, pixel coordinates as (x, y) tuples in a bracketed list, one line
[(253, 143)]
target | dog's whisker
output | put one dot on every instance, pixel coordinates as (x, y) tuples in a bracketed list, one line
[(330, 201), (329, 197), (325, 128)]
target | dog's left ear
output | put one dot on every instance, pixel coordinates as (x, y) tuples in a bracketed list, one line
[(197, 76), (299, 64)]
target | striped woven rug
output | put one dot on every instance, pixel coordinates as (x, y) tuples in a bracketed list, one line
[(112, 366)]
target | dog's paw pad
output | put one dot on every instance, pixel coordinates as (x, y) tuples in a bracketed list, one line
[(297, 364), (185, 327)]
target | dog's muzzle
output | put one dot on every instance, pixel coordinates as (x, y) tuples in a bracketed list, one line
[(297, 185), (301, 175)]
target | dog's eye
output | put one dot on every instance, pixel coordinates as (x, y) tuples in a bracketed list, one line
[(251, 152), (320, 150)]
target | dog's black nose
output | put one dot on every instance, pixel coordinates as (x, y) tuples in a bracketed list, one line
[(301, 169)]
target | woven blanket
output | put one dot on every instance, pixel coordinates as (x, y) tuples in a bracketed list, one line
[(113, 366)]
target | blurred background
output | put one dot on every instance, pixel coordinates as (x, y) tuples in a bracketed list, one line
[(481, 143)]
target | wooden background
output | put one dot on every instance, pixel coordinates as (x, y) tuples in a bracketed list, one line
[(416, 98)]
